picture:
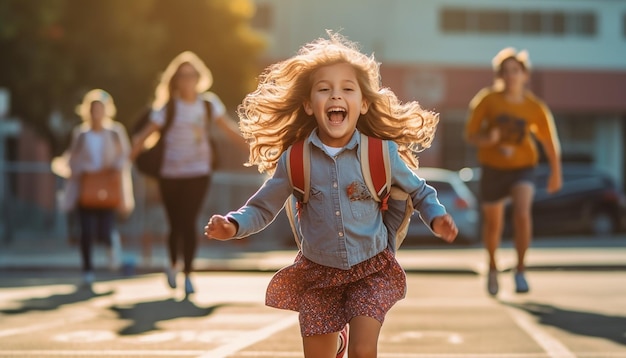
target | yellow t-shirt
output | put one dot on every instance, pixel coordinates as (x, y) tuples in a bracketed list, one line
[(516, 122)]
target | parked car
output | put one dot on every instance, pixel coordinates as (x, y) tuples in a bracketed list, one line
[(459, 201), (588, 203)]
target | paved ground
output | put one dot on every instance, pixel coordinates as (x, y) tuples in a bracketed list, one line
[(250, 255), (567, 314), (575, 308)]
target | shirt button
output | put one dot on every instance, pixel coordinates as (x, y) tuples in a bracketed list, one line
[(334, 185), (337, 213), (340, 234)]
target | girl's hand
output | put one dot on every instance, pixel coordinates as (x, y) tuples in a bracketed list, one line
[(445, 227), (219, 228), (555, 182), (493, 136)]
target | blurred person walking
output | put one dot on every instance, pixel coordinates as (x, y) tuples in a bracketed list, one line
[(502, 123), (183, 113), (99, 183)]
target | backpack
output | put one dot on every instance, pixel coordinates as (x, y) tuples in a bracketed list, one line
[(395, 203)]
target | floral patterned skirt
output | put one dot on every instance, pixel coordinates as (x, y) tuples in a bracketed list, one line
[(328, 298)]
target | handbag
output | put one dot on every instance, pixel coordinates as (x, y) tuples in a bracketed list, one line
[(101, 190)]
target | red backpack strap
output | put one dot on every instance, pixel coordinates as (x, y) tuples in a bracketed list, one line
[(299, 170), (375, 168)]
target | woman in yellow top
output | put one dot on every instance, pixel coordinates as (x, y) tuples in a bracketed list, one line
[(502, 122)]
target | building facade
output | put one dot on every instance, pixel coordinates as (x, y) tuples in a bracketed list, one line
[(439, 53)]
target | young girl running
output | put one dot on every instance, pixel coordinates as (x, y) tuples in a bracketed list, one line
[(345, 272)]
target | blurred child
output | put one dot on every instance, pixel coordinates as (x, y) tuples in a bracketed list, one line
[(502, 123)]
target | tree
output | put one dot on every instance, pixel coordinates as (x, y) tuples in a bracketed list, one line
[(56, 50)]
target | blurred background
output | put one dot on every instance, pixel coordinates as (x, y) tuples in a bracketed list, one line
[(435, 51)]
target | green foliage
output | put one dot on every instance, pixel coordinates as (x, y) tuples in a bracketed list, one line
[(56, 50)]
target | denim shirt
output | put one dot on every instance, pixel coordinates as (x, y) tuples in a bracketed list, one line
[(341, 223)]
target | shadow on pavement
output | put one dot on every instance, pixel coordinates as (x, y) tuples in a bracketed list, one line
[(578, 322), (82, 293), (145, 315)]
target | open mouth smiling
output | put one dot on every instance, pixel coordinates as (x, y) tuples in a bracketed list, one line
[(336, 115)]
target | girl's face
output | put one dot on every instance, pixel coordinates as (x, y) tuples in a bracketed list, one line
[(336, 101), (186, 78), (513, 74), (96, 111)]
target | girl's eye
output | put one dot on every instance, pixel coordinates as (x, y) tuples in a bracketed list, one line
[(348, 89), (323, 89)]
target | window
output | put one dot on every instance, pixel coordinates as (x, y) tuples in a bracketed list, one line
[(453, 20), (493, 21), (585, 24), (531, 23)]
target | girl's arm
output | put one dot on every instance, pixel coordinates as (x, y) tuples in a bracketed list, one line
[(74, 162), (424, 197), (231, 130), (258, 212), (139, 139), (475, 134), (122, 135), (547, 137)]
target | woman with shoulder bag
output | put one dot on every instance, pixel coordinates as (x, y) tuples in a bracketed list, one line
[(183, 113), (99, 183)]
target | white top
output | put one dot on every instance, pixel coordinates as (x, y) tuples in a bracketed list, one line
[(94, 146), (332, 151), (187, 150)]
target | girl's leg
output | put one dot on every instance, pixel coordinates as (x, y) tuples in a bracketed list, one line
[(105, 222), (522, 220), (170, 196), (87, 234), (321, 346), (363, 342), (493, 217), (193, 192)]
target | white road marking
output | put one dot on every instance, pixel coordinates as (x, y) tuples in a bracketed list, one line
[(251, 338), (195, 353), (441, 355), (99, 353), (552, 346), (78, 315)]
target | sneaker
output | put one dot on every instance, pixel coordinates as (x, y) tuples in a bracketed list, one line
[(342, 343), (521, 285), (171, 272), (492, 282), (114, 252), (88, 278), (188, 286)]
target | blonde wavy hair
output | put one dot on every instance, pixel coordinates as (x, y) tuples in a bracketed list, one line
[(167, 84), (96, 95), (272, 117)]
